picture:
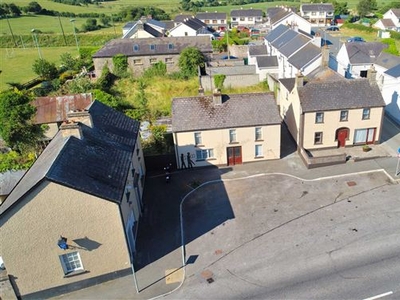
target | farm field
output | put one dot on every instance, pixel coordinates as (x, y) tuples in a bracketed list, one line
[(16, 64)]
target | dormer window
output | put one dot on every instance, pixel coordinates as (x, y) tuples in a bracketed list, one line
[(152, 47), (170, 46), (136, 48)]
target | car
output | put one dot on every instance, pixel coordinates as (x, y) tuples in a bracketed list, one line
[(332, 28), (355, 39)]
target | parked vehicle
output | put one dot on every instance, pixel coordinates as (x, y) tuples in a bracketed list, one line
[(355, 39), (332, 28)]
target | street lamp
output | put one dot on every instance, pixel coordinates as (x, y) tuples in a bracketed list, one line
[(76, 38), (36, 41)]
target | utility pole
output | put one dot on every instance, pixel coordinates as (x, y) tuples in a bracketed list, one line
[(35, 39), (76, 38), (62, 30), (12, 34)]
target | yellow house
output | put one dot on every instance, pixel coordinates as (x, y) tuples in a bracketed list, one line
[(226, 129), (329, 111), (71, 221)]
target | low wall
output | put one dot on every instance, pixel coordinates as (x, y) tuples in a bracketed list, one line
[(321, 161), (233, 81)]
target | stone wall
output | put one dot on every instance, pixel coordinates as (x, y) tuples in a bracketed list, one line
[(233, 81), (238, 50)]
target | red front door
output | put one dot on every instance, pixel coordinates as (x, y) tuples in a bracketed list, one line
[(342, 136), (234, 155)]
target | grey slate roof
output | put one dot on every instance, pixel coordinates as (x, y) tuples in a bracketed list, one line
[(294, 44), (275, 14), (363, 52), (387, 60), (211, 16), (337, 95), (237, 110), (304, 56), (317, 7), (288, 83), (97, 164), (180, 18), (258, 50), (8, 180), (324, 74), (194, 23), (396, 12), (246, 13), (126, 46), (394, 72), (267, 61), (284, 39), (277, 32)]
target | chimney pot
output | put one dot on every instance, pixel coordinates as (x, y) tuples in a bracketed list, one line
[(217, 97), (299, 79)]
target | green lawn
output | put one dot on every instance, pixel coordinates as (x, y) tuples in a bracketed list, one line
[(16, 64)]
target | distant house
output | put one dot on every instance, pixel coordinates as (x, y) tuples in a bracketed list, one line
[(266, 65), (390, 20), (254, 51), (318, 14), (328, 111), (76, 210), (246, 17), (287, 16), (191, 27), (145, 52), (53, 110), (354, 59), (143, 28), (296, 51), (390, 88), (215, 20), (226, 129)]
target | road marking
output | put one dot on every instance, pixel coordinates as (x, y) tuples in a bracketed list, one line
[(379, 296)]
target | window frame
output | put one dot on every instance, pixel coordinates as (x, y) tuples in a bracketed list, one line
[(257, 152), (366, 116), (205, 154), (346, 117), (258, 134), (152, 47), (320, 139), (317, 121), (153, 61), (232, 136), (66, 263), (198, 140)]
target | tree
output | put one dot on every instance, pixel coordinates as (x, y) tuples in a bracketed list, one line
[(364, 7), (190, 60), (34, 7), (340, 8), (16, 125), (45, 69), (105, 20)]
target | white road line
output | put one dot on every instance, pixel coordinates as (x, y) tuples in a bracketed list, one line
[(379, 296)]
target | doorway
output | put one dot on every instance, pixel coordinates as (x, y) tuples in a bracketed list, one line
[(342, 134), (234, 155)]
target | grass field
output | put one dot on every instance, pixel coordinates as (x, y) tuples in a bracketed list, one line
[(16, 64)]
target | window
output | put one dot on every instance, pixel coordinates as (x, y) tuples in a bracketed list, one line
[(152, 47), (153, 60), (241, 18), (222, 21), (233, 19), (232, 135), (250, 18), (71, 262), (204, 154), (137, 62), (169, 60), (319, 117), (366, 113), (197, 138), (363, 74), (214, 21), (344, 114), (186, 34), (136, 48), (170, 46), (313, 13), (258, 133), (318, 138), (207, 21), (259, 151)]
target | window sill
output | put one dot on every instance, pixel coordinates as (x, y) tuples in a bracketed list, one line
[(343, 120), (199, 145), (76, 273), (258, 157), (259, 141), (234, 143)]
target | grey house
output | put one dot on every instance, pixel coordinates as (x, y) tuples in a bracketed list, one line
[(143, 53)]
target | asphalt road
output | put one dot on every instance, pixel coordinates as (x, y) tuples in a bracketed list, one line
[(292, 239)]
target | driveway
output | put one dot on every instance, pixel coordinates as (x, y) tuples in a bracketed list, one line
[(274, 236)]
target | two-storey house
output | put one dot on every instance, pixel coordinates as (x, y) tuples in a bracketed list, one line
[(191, 27), (318, 14), (226, 129), (390, 20), (72, 219), (246, 17), (214, 20)]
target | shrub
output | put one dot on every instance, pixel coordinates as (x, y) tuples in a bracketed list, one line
[(219, 80)]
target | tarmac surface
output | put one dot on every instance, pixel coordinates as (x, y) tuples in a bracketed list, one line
[(209, 204)]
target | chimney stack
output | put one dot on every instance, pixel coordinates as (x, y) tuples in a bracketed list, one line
[(217, 97), (81, 116), (371, 75), (325, 56), (71, 129), (201, 91), (299, 80)]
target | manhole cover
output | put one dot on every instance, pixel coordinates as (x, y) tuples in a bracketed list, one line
[(351, 183)]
